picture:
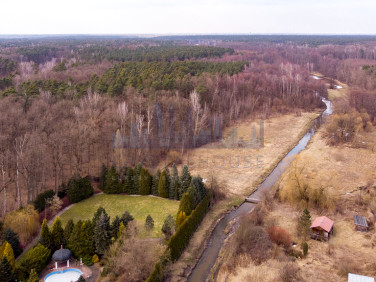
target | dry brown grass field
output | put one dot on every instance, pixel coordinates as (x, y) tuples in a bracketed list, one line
[(347, 172), (239, 169)]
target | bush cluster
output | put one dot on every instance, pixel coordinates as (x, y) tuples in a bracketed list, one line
[(40, 201)]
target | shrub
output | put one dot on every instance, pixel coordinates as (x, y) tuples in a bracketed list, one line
[(37, 259), (40, 201), (24, 222), (169, 226), (79, 188), (149, 223), (305, 249), (5, 270), (95, 258), (33, 277), (279, 236), (290, 273), (252, 240), (87, 260)]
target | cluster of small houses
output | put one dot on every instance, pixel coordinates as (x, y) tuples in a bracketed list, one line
[(322, 228)]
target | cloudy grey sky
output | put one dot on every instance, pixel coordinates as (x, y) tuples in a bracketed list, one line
[(187, 16)]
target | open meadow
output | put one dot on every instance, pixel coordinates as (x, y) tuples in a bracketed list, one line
[(115, 205)]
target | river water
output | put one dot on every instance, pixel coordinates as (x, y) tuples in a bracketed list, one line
[(202, 269)]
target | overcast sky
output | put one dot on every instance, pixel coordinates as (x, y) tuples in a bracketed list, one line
[(187, 16)]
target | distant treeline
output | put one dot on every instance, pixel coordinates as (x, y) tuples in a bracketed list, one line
[(153, 53)]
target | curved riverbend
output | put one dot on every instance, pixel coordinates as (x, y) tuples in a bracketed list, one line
[(202, 269)]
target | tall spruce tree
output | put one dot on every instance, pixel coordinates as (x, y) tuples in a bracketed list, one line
[(74, 239), (145, 182), (115, 227), (45, 235), (87, 247), (57, 234), (185, 181), (113, 185), (102, 177), (102, 234), (162, 185), (136, 178), (68, 230), (154, 188), (173, 191), (185, 204), (12, 238), (304, 224), (128, 183)]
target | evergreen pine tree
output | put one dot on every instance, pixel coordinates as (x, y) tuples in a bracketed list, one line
[(87, 247), (45, 235), (173, 191), (169, 226), (304, 224), (74, 239), (136, 178), (149, 223), (128, 184), (5, 271), (9, 255), (180, 218), (115, 227), (162, 185), (12, 238), (194, 197), (126, 217), (102, 236), (199, 186), (121, 229), (185, 204), (33, 277), (57, 234), (68, 230), (102, 177), (185, 181), (97, 214), (113, 185), (145, 182), (154, 188)]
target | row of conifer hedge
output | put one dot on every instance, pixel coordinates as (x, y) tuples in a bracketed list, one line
[(180, 239)]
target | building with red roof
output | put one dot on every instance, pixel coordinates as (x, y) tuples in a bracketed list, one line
[(321, 228)]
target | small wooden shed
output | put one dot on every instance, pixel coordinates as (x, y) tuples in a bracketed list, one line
[(322, 228), (360, 223)]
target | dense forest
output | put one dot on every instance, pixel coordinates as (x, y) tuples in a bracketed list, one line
[(70, 104)]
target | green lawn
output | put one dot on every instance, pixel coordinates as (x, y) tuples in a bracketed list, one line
[(138, 206)]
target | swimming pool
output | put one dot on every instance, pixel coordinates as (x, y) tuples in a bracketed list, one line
[(67, 275)]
